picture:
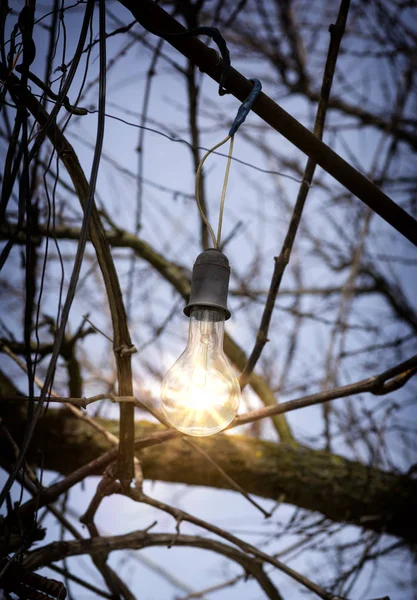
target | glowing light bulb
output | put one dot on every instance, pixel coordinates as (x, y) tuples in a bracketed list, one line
[(200, 393)]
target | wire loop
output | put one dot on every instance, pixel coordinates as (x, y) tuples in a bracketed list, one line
[(242, 113), (216, 242), (215, 35)]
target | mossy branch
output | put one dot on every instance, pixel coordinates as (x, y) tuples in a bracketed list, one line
[(341, 490)]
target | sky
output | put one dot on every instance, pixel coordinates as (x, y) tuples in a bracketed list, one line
[(170, 223)]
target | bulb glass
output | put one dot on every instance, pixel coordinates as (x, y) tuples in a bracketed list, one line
[(201, 393)]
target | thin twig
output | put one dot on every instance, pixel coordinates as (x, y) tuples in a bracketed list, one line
[(82, 582), (203, 56), (79, 402), (86, 318), (159, 417), (140, 539), (73, 409), (180, 515), (336, 32)]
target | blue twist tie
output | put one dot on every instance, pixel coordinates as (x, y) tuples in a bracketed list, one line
[(244, 108)]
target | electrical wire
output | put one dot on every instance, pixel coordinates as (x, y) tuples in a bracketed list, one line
[(242, 113), (173, 137), (216, 241), (226, 179)]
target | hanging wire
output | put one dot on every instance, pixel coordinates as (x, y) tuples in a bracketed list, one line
[(226, 179), (197, 187), (239, 119)]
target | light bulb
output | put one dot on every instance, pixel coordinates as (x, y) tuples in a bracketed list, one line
[(200, 393)]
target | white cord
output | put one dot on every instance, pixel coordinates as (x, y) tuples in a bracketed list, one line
[(216, 242)]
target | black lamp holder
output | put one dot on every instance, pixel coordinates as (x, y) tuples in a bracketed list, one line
[(210, 282)]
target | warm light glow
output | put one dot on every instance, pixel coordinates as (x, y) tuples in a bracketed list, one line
[(200, 393)]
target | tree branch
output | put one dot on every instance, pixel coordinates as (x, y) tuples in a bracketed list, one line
[(152, 16), (336, 34), (140, 539), (98, 237), (340, 489), (177, 277)]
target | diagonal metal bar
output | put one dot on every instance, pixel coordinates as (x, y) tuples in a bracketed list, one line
[(154, 18)]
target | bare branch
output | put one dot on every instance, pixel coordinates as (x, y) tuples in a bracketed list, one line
[(336, 33), (276, 117), (138, 540)]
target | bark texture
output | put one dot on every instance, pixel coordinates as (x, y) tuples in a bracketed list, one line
[(342, 490)]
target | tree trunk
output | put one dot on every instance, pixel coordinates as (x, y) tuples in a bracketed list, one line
[(341, 490)]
